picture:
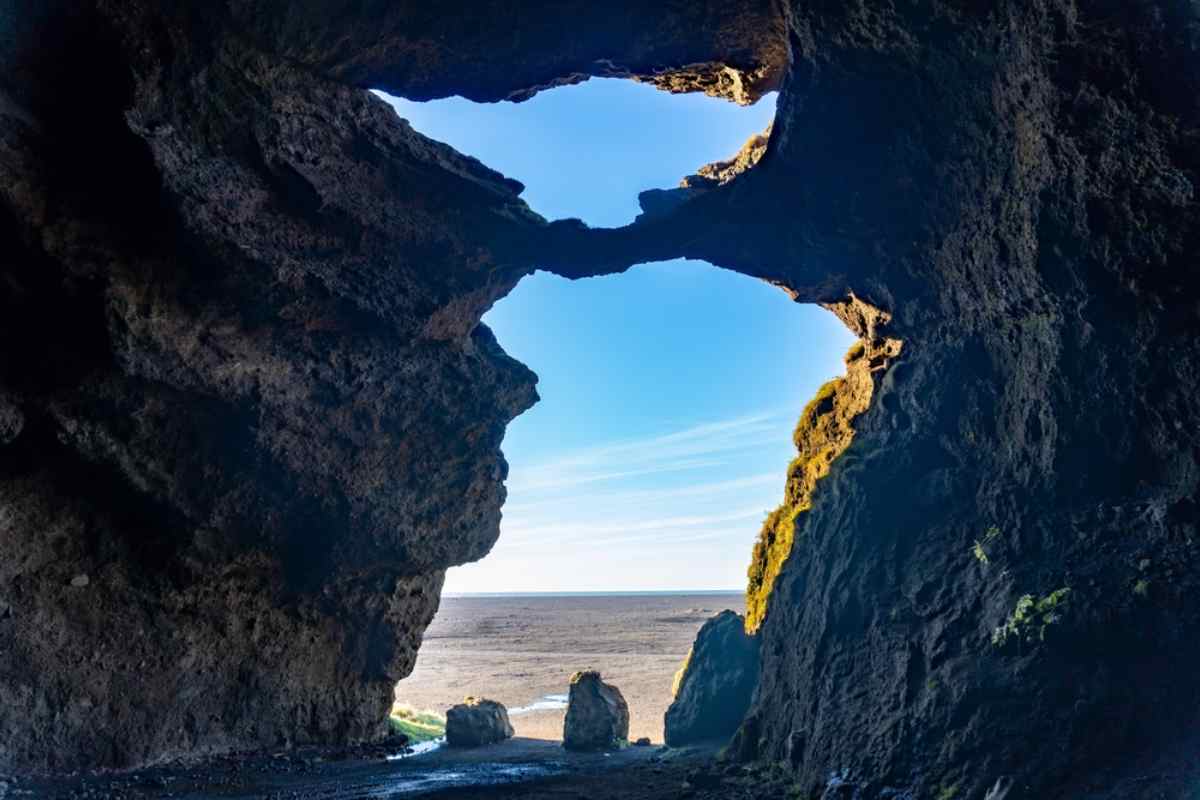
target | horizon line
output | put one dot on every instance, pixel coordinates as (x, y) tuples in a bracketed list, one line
[(596, 593)]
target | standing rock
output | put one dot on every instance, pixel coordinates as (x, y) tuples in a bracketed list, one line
[(475, 722), (714, 687), (597, 715)]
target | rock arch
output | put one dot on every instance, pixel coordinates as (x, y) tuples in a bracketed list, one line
[(271, 418)]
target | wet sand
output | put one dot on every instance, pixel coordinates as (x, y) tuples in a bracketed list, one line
[(521, 651)]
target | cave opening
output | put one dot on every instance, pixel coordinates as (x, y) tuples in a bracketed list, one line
[(669, 395)]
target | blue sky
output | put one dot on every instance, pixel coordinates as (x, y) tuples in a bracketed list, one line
[(668, 393)]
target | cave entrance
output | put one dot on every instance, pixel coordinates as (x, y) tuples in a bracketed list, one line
[(669, 393)]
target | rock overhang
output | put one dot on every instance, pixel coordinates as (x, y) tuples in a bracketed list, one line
[(970, 173)]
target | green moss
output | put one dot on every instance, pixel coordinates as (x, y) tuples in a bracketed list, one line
[(821, 404), (418, 726), (770, 551), (822, 434), (948, 792), (1141, 588), (980, 548), (679, 675), (1032, 616)]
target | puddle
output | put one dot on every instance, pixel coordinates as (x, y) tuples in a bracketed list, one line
[(550, 702), (478, 775), (418, 749)]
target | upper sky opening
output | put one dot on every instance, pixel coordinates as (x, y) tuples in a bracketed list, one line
[(587, 150), (669, 393)]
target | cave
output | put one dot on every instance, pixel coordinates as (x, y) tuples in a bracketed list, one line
[(249, 414)]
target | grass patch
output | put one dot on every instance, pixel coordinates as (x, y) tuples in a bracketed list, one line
[(418, 726), (822, 433), (1032, 616)]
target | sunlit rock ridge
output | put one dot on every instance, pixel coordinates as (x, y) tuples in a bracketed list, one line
[(248, 414)]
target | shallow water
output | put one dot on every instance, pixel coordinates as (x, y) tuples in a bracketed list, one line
[(419, 749), (550, 702)]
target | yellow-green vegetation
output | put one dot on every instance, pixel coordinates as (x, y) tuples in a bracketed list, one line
[(1141, 588), (948, 792), (683, 668), (980, 548), (1032, 615), (822, 434), (418, 726)]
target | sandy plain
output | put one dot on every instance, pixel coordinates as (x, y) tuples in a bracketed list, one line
[(522, 650)]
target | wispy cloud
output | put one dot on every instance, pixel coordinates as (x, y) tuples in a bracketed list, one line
[(640, 497), (700, 483), (700, 446)]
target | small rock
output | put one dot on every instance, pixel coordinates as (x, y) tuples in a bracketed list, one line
[(642, 742), (79, 581), (475, 722), (597, 715)]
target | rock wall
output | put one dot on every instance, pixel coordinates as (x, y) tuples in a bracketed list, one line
[(251, 416), (252, 403), (1015, 185)]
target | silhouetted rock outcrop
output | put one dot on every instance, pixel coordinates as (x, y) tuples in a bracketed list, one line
[(716, 683), (476, 722), (597, 716), (245, 391)]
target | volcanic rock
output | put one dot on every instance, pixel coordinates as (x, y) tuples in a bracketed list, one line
[(597, 715), (716, 683), (240, 304), (475, 722)]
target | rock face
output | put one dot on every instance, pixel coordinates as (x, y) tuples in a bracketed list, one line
[(253, 404), (715, 685), (824, 431), (244, 388), (597, 716), (475, 722)]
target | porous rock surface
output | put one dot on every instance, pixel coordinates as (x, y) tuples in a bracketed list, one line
[(244, 388), (475, 722), (716, 683), (597, 714)]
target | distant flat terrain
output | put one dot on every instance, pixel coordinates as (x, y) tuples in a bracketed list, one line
[(521, 650)]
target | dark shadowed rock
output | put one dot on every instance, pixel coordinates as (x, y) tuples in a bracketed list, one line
[(716, 683), (597, 715), (240, 309), (475, 722), (12, 421)]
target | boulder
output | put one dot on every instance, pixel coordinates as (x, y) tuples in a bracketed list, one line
[(597, 715), (714, 687), (476, 722)]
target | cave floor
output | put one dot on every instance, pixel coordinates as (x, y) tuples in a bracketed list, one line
[(532, 769), (520, 768)]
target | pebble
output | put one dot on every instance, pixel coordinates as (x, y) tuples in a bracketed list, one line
[(79, 581)]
